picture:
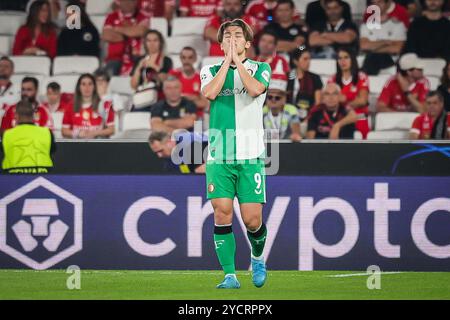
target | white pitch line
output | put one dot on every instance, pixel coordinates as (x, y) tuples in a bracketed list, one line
[(359, 274)]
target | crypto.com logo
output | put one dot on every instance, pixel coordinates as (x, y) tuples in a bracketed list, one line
[(32, 224)]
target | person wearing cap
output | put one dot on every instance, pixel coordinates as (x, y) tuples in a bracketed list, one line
[(280, 120), (406, 91), (330, 119)]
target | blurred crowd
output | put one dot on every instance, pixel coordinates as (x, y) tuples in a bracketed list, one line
[(300, 103)]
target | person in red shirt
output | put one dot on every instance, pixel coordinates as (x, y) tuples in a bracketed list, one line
[(395, 11), (123, 31), (89, 118), (199, 8), (9, 92), (232, 9), (267, 47), (38, 36), (262, 10), (190, 80), (152, 8), (435, 122), (56, 100), (354, 86), (407, 90), (42, 116)]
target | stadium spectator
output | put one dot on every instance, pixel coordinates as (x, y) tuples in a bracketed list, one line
[(429, 35), (232, 9), (191, 159), (444, 87), (407, 90), (25, 139), (280, 119), (102, 80), (411, 6), (315, 13), (57, 101), (262, 10), (29, 91), (199, 8), (331, 120), (445, 8), (381, 43), (174, 112), (304, 87), (79, 42), (434, 123), (326, 37), (190, 80), (354, 86), (57, 11), (123, 31), (89, 118), (154, 66), (396, 11), (267, 48), (38, 36), (290, 35), (152, 8), (9, 93)]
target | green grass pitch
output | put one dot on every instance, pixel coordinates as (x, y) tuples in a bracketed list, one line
[(29, 284)]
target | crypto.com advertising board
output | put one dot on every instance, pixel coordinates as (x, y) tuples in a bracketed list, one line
[(166, 222)]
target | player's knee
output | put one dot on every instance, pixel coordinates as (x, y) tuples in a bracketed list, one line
[(252, 223)]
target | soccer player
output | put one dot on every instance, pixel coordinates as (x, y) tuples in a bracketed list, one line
[(237, 89)]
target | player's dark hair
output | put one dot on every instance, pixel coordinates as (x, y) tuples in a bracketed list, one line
[(32, 80), (354, 68), (158, 136), (54, 86), (248, 32)]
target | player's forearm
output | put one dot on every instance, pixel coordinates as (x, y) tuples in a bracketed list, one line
[(212, 89), (253, 86)]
